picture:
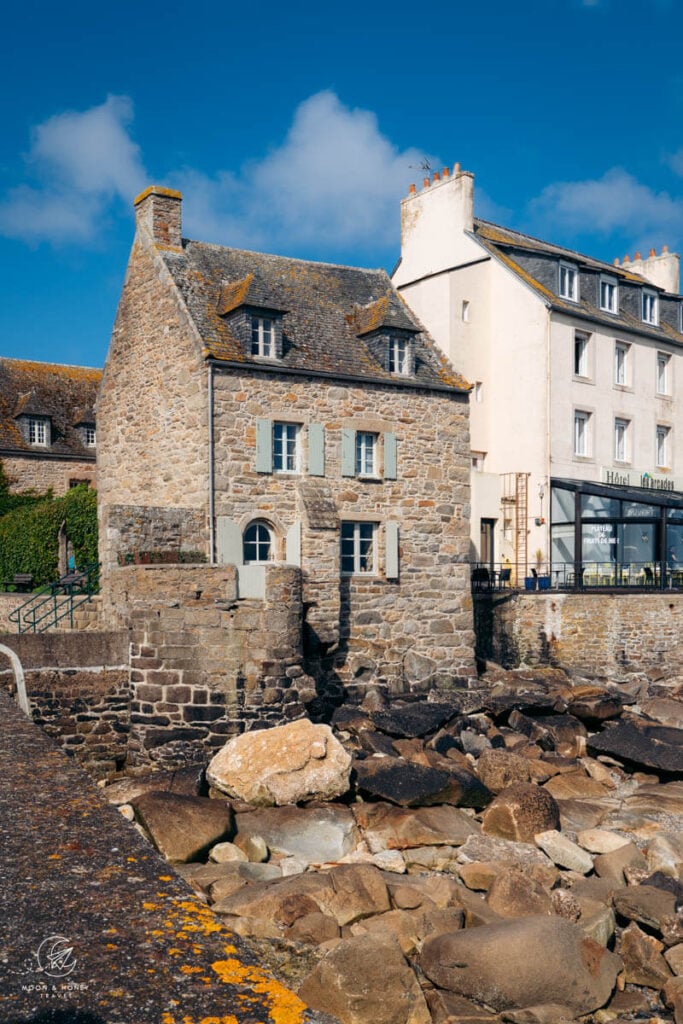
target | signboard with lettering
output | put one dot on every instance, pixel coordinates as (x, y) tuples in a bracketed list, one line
[(635, 478)]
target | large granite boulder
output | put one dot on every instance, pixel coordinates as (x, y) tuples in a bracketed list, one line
[(366, 978), (523, 963), (520, 811), (284, 765), (183, 827)]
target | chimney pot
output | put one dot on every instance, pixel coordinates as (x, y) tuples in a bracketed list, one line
[(436, 176), (615, 261), (425, 182), (652, 253), (665, 249), (637, 256), (456, 168), (411, 190), (445, 172), (627, 258)]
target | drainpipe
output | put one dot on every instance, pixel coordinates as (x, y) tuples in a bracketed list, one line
[(212, 502)]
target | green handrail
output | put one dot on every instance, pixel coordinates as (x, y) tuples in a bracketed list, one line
[(55, 601)]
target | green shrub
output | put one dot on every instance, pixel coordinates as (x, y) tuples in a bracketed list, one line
[(29, 535)]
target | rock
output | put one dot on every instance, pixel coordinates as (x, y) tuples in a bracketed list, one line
[(577, 815), (386, 827), (499, 769), (613, 864), (600, 925), (655, 908), (563, 733), (599, 840), (490, 848), (643, 960), (673, 998), (423, 891), (413, 720), (222, 853), (390, 860), (595, 709), (185, 781), (183, 827), (315, 835), (513, 893), (651, 746), (658, 799), (665, 854), (313, 929), (563, 852), (674, 958), (400, 781), (366, 978), (253, 846), (448, 1008), (519, 812), (664, 710), (577, 785), (279, 901), (523, 963), (283, 765)]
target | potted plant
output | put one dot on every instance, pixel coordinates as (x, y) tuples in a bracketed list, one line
[(543, 578)]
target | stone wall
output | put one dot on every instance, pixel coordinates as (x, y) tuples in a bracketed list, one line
[(40, 474), (406, 633), (205, 664), (78, 690), (610, 635)]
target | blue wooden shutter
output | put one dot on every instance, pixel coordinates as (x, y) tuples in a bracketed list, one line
[(229, 549), (348, 459), (264, 446), (390, 456), (316, 449), (391, 537)]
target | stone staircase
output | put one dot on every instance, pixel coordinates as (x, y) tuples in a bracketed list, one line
[(87, 616)]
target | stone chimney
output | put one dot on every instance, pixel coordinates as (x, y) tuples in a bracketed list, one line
[(662, 270), (434, 222), (158, 211)]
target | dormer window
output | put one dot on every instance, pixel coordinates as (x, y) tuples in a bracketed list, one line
[(569, 282), (39, 431), (400, 356), (609, 294), (89, 435), (263, 336), (650, 307)]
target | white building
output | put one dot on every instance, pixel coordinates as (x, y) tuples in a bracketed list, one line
[(577, 441)]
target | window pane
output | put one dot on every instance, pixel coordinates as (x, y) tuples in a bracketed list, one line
[(257, 543), (595, 506), (562, 505)]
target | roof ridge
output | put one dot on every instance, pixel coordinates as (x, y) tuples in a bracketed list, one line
[(290, 259)]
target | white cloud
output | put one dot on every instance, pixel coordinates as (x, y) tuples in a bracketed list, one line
[(334, 182), (617, 202), (80, 161)]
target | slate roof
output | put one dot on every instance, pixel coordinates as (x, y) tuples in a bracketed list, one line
[(517, 251), (66, 394), (327, 310)]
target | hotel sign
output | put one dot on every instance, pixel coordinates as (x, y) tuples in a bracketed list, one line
[(633, 478)]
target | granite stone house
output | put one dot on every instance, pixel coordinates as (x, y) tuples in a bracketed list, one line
[(47, 424), (259, 411)]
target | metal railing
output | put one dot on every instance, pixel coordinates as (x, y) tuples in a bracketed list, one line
[(57, 601), (643, 576)]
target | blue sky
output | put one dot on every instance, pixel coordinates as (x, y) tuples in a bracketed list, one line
[(296, 128)]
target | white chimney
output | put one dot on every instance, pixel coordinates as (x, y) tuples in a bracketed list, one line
[(662, 270)]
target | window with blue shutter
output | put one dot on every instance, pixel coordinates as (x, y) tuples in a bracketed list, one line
[(391, 553), (348, 458), (390, 456)]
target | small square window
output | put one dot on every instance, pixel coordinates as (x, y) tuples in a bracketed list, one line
[(358, 549), (286, 448), (621, 441), (569, 282), (465, 310), (478, 391), (662, 454), (582, 433), (478, 459), (38, 431), (581, 342), (399, 356), (621, 364), (366, 453), (663, 361), (262, 336), (609, 295), (650, 307)]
